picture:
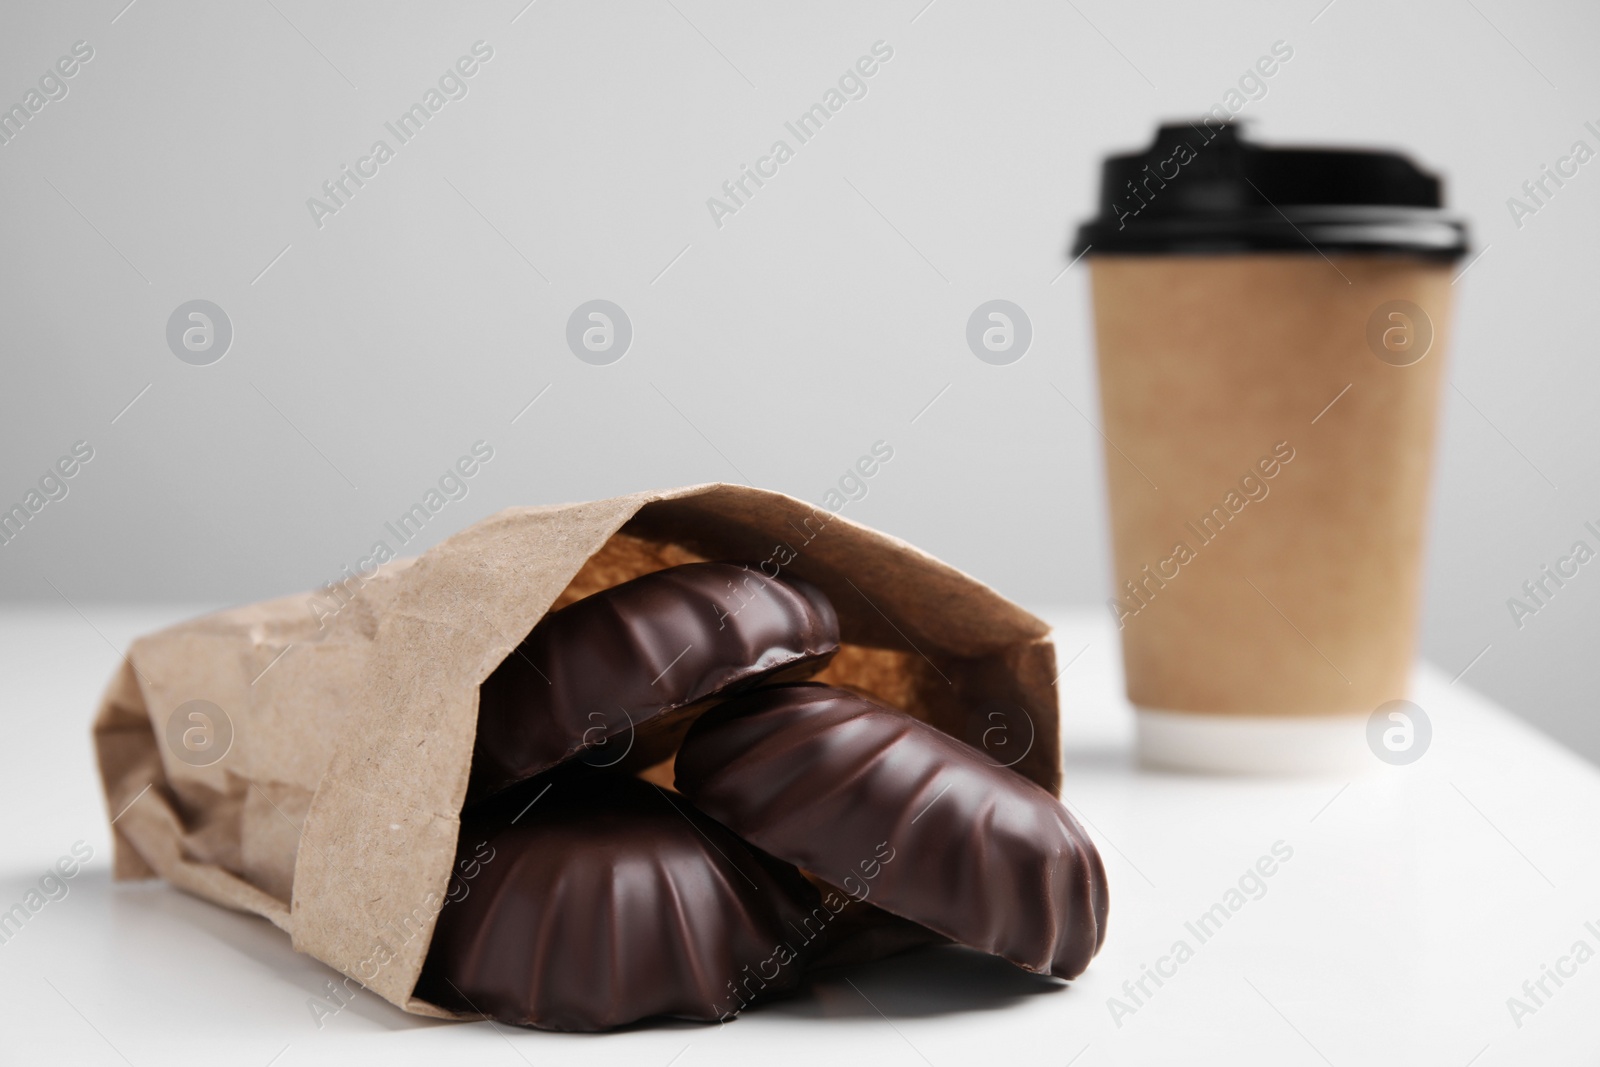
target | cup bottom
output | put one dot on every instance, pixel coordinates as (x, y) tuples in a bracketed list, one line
[(1252, 744)]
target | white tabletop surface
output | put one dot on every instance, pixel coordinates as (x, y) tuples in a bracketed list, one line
[(1417, 901)]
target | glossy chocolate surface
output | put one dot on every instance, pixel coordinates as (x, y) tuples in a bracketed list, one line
[(892, 811), (609, 901), (617, 672)]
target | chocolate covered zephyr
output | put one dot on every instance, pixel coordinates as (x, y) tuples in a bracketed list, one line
[(878, 803), (626, 665), (604, 900)]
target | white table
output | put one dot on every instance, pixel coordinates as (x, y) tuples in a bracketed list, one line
[(1417, 900)]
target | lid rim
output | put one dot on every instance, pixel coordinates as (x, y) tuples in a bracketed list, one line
[(1201, 248), (1436, 236)]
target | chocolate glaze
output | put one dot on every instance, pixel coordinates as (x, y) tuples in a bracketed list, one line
[(609, 901), (619, 673), (862, 934), (834, 781)]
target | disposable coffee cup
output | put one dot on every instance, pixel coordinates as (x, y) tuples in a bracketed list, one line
[(1270, 329)]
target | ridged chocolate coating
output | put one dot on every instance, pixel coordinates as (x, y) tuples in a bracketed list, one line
[(628, 663), (831, 780), (608, 902)]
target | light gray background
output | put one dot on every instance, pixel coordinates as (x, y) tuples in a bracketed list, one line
[(370, 353)]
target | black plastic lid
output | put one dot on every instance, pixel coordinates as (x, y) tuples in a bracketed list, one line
[(1204, 189)]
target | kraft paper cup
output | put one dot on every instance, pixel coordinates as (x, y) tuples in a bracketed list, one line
[(1269, 392)]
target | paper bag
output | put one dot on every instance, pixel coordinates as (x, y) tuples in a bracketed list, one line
[(321, 783)]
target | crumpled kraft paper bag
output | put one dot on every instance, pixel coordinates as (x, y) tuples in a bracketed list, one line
[(334, 811)]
